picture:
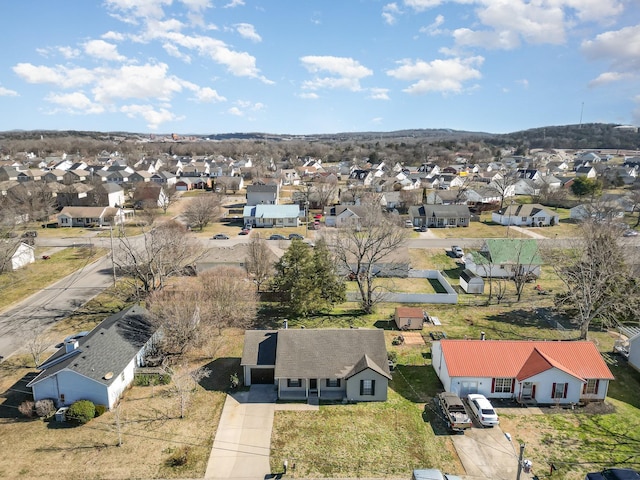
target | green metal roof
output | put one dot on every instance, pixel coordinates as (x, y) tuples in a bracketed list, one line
[(509, 251)]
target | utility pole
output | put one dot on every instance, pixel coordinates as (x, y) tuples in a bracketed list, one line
[(520, 459)]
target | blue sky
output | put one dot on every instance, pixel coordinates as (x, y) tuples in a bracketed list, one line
[(311, 66)]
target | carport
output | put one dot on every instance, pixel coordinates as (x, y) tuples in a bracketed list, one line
[(262, 376)]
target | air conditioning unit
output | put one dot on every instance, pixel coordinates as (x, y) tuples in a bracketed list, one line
[(61, 414)]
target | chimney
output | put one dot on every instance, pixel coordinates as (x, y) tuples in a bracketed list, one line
[(482, 336), (286, 324), (70, 345)]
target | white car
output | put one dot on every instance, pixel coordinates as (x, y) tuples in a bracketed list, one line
[(483, 410), (457, 251)]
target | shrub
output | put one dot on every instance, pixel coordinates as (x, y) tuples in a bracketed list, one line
[(81, 412), (26, 408), (45, 408), (179, 457), (146, 380), (100, 409)]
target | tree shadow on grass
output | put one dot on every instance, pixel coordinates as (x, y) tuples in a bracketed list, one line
[(221, 371), (514, 320), (273, 316)]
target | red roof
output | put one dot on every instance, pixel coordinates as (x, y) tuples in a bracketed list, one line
[(412, 312), (522, 359)]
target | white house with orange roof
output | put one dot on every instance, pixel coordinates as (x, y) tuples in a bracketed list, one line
[(547, 372)]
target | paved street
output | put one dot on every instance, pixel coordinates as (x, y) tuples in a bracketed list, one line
[(46, 307)]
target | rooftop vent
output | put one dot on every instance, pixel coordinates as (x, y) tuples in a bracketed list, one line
[(70, 345)]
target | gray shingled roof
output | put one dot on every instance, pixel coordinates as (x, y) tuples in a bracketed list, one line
[(329, 353), (259, 347), (109, 347)]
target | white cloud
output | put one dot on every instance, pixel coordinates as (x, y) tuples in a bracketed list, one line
[(434, 28), (523, 82), (620, 47), (209, 95), (5, 92), (389, 12), (346, 72), (137, 81), (69, 52), (376, 120), (139, 8), (175, 52), (61, 76), (445, 76), (196, 5), (593, 10), (115, 36), (248, 31), (236, 111), (379, 93), (609, 77), (154, 117), (234, 3), (102, 50), (76, 103), (421, 5), (309, 95)]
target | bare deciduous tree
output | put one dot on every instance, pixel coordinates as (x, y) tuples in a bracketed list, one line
[(156, 255), (194, 309), (359, 250), (37, 345), (170, 197), (325, 190), (503, 185), (185, 384), (259, 261), (597, 277), (203, 209)]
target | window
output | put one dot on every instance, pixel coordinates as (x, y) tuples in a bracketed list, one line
[(333, 382), (591, 387), (502, 385), (367, 387), (559, 390), (294, 382), (524, 219)]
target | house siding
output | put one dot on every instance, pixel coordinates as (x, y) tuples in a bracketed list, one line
[(544, 385), (634, 352), (353, 387), (75, 387)]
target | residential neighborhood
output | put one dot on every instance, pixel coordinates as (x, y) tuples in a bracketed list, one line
[(308, 304)]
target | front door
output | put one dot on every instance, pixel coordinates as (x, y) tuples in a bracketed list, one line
[(527, 390), (313, 384)]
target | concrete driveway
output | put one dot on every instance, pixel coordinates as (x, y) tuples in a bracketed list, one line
[(486, 453), (242, 444)]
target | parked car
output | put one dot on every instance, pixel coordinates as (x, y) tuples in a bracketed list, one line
[(277, 236), (295, 236), (455, 413), (457, 251), (317, 216), (244, 231), (423, 228), (30, 233), (483, 410), (614, 474), (432, 474), (220, 236), (408, 223), (630, 233)]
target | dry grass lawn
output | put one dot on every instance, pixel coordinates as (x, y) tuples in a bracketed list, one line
[(151, 429)]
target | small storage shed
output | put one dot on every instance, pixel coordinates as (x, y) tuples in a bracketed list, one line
[(409, 318), (470, 282)]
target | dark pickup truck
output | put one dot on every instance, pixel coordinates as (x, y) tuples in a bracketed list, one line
[(454, 411)]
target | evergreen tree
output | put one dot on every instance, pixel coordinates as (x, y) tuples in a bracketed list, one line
[(332, 287)]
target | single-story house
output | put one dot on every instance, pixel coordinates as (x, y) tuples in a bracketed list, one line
[(440, 216), (297, 362), (22, 255), (344, 215), (547, 372), (100, 365), (272, 215), (229, 256), (470, 282), (192, 183), (259, 194), (90, 216), (530, 215), (504, 257), (409, 318)]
